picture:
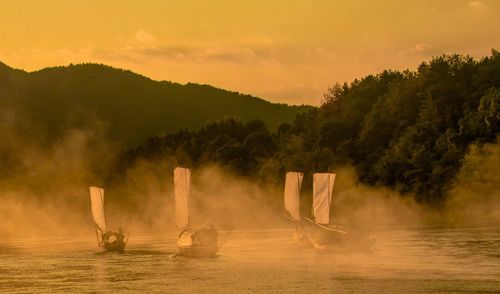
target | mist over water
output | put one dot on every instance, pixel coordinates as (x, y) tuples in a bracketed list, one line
[(48, 241), (475, 198), (144, 200), (45, 193)]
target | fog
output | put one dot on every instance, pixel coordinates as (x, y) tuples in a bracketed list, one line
[(44, 185), (475, 198), (47, 192)]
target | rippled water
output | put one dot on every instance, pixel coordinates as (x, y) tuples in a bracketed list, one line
[(429, 261)]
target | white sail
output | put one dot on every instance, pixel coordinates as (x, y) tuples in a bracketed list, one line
[(322, 196), (182, 177), (293, 182), (97, 203)]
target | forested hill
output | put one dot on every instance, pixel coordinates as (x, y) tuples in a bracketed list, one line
[(406, 130), (130, 107)]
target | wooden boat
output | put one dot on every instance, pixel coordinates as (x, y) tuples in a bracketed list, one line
[(198, 243), (106, 239), (202, 242), (319, 232)]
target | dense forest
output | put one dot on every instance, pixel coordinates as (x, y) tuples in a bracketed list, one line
[(407, 130)]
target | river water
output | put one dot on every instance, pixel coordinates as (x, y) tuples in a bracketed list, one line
[(410, 261)]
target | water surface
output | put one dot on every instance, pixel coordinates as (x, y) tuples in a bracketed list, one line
[(412, 261)]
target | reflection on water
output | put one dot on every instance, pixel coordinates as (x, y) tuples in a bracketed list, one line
[(433, 260)]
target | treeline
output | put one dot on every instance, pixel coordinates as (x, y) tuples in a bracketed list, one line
[(407, 130)]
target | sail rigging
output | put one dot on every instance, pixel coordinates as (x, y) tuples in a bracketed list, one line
[(182, 177), (322, 196), (97, 203), (293, 183)]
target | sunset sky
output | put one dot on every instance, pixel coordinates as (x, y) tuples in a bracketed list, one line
[(283, 50)]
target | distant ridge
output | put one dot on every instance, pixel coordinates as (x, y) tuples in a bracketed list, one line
[(129, 106)]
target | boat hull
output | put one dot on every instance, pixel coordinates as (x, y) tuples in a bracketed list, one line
[(198, 243), (198, 251), (323, 236), (114, 247)]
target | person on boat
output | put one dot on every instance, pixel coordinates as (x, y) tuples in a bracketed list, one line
[(120, 236), (205, 237), (112, 238), (105, 236)]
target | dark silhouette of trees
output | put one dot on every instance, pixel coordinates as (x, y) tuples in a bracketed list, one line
[(407, 130)]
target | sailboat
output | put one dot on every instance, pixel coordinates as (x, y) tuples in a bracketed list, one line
[(202, 242), (319, 232), (106, 239)]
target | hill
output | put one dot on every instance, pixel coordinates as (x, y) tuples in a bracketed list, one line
[(129, 107)]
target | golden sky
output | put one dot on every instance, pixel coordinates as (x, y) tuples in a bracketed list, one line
[(282, 50)]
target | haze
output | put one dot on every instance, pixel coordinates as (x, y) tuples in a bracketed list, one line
[(284, 51)]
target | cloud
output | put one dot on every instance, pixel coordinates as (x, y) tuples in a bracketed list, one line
[(476, 4), (296, 93), (419, 49), (144, 37), (190, 54)]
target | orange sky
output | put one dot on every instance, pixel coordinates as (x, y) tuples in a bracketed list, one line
[(282, 50)]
